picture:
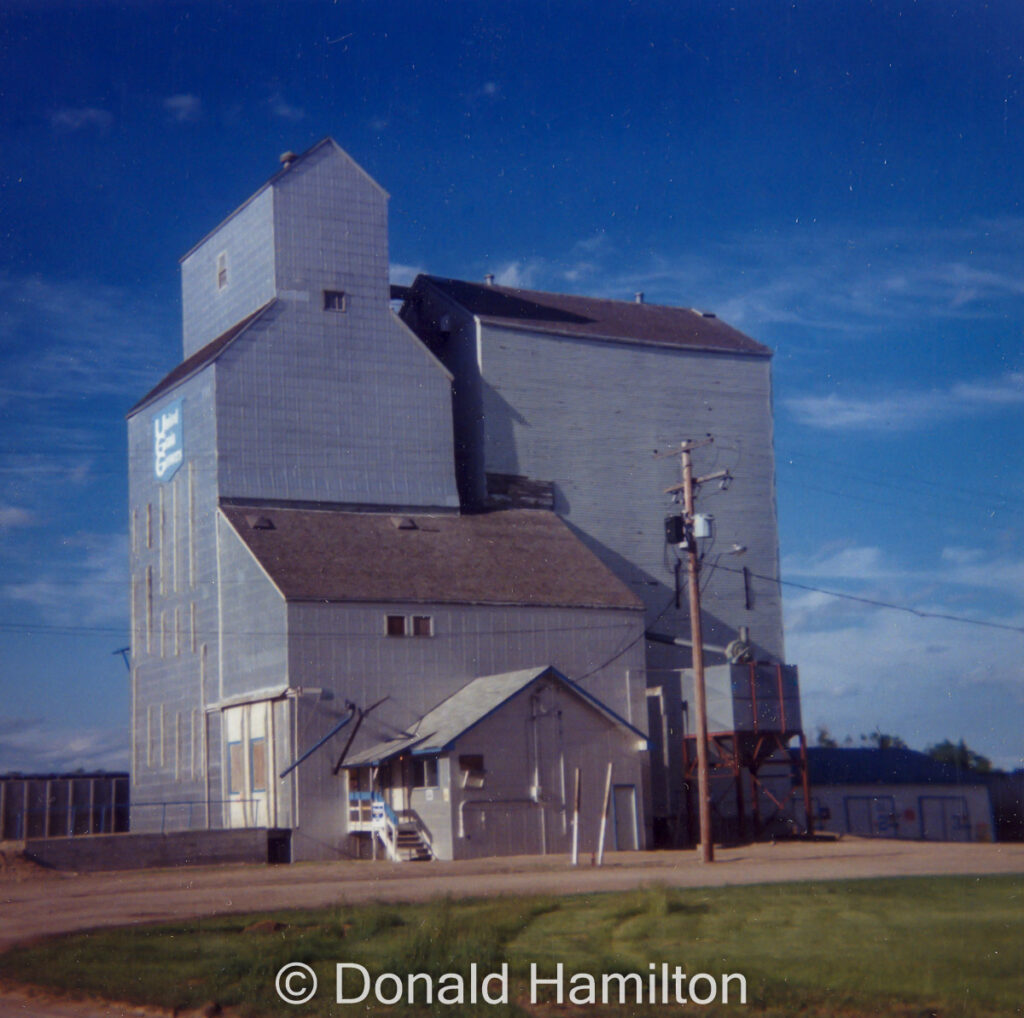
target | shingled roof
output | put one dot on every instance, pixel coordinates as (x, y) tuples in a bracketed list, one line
[(595, 317), (517, 556), (438, 729)]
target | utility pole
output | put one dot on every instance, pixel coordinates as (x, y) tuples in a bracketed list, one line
[(707, 848)]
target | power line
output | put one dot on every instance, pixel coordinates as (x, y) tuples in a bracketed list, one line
[(921, 613)]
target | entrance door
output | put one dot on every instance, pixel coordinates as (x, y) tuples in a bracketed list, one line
[(624, 807)]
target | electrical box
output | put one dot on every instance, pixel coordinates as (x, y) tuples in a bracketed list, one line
[(703, 525), (675, 532)]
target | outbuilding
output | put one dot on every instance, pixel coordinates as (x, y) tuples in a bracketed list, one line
[(493, 770)]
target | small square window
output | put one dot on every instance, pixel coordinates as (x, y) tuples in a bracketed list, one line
[(422, 625), (396, 625), (335, 300)]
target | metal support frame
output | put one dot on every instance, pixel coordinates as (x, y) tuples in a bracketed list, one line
[(735, 754)]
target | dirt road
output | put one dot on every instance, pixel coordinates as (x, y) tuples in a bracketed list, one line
[(34, 905)]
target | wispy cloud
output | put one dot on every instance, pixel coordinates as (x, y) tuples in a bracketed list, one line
[(12, 516), (523, 274), (82, 118), (852, 282), (403, 275), (35, 746), (864, 666), (284, 110), (73, 338), (84, 584), (877, 572), (903, 408), (184, 108)]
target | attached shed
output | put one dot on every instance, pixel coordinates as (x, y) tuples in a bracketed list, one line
[(491, 770)]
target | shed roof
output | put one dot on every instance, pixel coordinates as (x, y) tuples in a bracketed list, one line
[(438, 729), (595, 317), (516, 556)]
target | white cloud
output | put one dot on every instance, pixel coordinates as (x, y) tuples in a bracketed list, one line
[(908, 408), (68, 339), (84, 584), (283, 109), (849, 282), (957, 569), (520, 274), (82, 118), (852, 563), (923, 679), (403, 275), (184, 108), (34, 746), (864, 666), (12, 516)]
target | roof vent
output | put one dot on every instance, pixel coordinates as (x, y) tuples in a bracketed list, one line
[(638, 297), (260, 522), (489, 279), (287, 158), (403, 523), (707, 314)]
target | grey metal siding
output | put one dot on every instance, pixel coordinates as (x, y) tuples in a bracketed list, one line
[(320, 405), (246, 240), (588, 416), (253, 621), (174, 613), (324, 407), (508, 815), (344, 648), (331, 231)]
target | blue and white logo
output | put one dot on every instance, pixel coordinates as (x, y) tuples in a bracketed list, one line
[(168, 441)]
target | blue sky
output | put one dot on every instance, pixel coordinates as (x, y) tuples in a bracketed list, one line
[(840, 180)]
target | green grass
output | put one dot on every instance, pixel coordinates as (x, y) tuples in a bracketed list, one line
[(951, 947)]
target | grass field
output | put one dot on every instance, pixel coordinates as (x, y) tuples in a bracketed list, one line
[(914, 947)]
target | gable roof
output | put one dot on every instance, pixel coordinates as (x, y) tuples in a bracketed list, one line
[(438, 729), (293, 162), (199, 360), (594, 317), (516, 556)]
